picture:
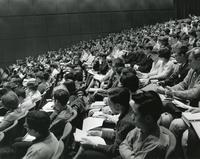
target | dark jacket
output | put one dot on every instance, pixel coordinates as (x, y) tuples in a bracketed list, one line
[(178, 76)]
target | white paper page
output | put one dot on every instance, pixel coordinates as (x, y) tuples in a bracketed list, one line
[(28, 137), (98, 77), (196, 126), (48, 107), (180, 104), (191, 116), (80, 135), (1, 118), (91, 123)]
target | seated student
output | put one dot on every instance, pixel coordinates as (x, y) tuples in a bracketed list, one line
[(167, 66), (42, 78), (178, 75), (76, 102), (45, 145), (147, 136), (189, 88), (32, 92), (155, 65), (118, 100), (24, 104), (117, 66), (145, 64), (62, 112), (129, 80), (10, 102)]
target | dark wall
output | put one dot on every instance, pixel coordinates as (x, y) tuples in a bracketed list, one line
[(31, 27), (185, 7)]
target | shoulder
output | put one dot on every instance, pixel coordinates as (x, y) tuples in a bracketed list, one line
[(133, 134)]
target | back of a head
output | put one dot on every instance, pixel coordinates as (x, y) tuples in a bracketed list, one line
[(130, 81), (78, 75), (70, 84), (182, 49), (118, 62), (46, 76), (10, 100), (61, 95), (164, 53), (38, 121), (149, 103), (119, 95)]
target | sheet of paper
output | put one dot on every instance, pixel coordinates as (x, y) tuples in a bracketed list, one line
[(97, 105), (28, 137), (48, 107), (196, 126), (1, 118), (80, 135), (91, 123), (94, 89), (191, 116), (98, 77)]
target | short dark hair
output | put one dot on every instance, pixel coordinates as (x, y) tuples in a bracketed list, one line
[(38, 121), (182, 50), (118, 62), (61, 95), (164, 53), (130, 81), (70, 85), (149, 103), (119, 95)]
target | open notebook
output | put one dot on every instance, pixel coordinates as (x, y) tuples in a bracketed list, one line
[(81, 135), (192, 120), (89, 124)]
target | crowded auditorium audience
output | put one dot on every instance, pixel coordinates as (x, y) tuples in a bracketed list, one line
[(133, 87)]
